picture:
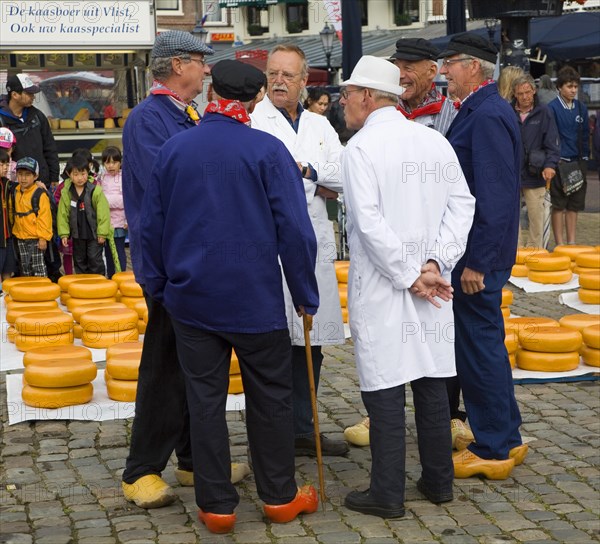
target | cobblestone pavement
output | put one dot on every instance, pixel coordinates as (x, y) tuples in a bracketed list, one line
[(60, 480)]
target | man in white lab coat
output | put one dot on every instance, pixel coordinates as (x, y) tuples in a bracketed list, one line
[(409, 213), (316, 147)]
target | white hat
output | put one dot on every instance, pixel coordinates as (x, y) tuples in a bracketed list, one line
[(376, 73)]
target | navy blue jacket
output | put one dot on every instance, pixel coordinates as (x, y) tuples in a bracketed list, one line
[(223, 203), (486, 138), (148, 127), (538, 131), (572, 126)]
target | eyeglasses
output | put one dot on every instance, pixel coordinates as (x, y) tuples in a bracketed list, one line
[(201, 62), (286, 76), (448, 62), (345, 92)]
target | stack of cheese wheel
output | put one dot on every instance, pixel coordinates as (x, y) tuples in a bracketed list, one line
[(507, 300), (107, 326), (549, 268), (58, 376), (511, 342), (588, 268), (122, 367), (131, 293), (65, 281), (572, 251), (590, 351), (142, 309), (8, 283), (13, 313), (549, 349), (85, 291), (341, 271), (93, 305), (519, 270), (41, 329), (235, 376), (514, 325), (120, 277)]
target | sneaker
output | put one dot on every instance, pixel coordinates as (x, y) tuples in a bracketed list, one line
[(462, 436), (358, 434)]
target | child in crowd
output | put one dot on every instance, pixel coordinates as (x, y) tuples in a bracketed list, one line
[(67, 251), (110, 181), (83, 214), (7, 254), (32, 229), (8, 142), (94, 165)]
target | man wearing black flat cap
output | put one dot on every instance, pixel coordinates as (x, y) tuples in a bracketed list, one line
[(224, 206), (486, 137)]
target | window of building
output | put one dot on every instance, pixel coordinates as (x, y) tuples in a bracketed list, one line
[(258, 20), (406, 12), (214, 14), (364, 12), (297, 17), (167, 5)]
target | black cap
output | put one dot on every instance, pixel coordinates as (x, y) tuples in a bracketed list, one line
[(415, 49), (235, 80), (20, 83), (469, 43)]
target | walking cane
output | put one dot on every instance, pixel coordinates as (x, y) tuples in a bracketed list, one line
[(307, 322)]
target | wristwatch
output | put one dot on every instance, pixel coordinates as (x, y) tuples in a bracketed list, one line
[(304, 169)]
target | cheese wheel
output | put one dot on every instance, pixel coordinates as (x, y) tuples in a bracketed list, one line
[(93, 288), (574, 267), (235, 384), (13, 313), (547, 362), (118, 296), (43, 305), (83, 308), (121, 390), (65, 281), (345, 315), (77, 331), (7, 299), (505, 312), (44, 323), (11, 334), (589, 296), (519, 271), (109, 319), (558, 276), (120, 277), (145, 318), (572, 251), (234, 367), (528, 323), (141, 326), (511, 342), (590, 280), (130, 302), (524, 252), (25, 342), (342, 274), (507, 297), (60, 373), (512, 359), (10, 282), (341, 264), (57, 397), (103, 339), (591, 336), (141, 308), (124, 366), (584, 270), (548, 263), (124, 347), (73, 302), (34, 292), (588, 259), (579, 322), (591, 356), (130, 288), (52, 353), (64, 297), (343, 291), (550, 339)]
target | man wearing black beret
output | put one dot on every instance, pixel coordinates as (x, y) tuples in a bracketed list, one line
[(486, 137), (224, 206)]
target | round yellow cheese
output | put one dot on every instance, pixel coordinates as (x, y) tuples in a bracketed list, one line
[(64, 297), (83, 308), (124, 366), (558, 276), (13, 313), (572, 251), (589, 296), (590, 280), (123, 276), (234, 367), (550, 339), (142, 326), (93, 289), (103, 339), (235, 384), (505, 312), (130, 302), (589, 259), (52, 353), (524, 252), (77, 331), (584, 270), (43, 305), (8, 283), (65, 281), (507, 297), (547, 362), (73, 302), (11, 334), (57, 373), (343, 291), (44, 323), (130, 288), (145, 318), (345, 315), (7, 299), (548, 263), (34, 292), (512, 359), (591, 336), (141, 308), (341, 273), (109, 319), (24, 342), (579, 322), (124, 347), (591, 356), (519, 271), (121, 390), (528, 323), (511, 342), (57, 397)]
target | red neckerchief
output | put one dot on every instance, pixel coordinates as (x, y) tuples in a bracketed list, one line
[(160, 88), (459, 103), (430, 105), (229, 108)]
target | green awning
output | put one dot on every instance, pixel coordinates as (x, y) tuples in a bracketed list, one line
[(257, 3)]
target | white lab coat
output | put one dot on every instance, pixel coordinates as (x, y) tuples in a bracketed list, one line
[(407, 201), (318, 144)]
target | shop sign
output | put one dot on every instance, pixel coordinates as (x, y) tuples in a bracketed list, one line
[(222, 37)]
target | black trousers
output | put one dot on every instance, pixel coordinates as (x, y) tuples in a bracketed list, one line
[(266, 367), (161, 422), (387, 434), (87, 257), (453, 388), (303, 417)]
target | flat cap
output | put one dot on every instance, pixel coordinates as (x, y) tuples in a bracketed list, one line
[(175, 43), (415, 49), (235, 80), (469, 43)]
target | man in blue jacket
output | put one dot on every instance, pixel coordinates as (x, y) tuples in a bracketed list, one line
[(225, 204), (485, 136)]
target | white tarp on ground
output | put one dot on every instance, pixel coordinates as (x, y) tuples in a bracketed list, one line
[(572, 300), (581, 370), (532, 287)]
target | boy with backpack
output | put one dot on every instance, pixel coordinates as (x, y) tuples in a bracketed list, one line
[(84, 215), (31, 219)]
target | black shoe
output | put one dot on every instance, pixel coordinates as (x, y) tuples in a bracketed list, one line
[(307, 446), (434, 497), (361, 501)]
